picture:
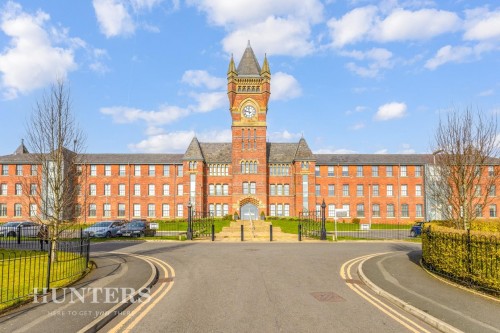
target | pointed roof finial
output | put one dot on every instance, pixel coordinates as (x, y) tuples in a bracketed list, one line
[(232, 67), (248, 45), (265, 66)]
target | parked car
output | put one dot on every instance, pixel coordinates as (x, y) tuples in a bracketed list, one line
[(137, 229), (27, 228), (105, 229), (416, 229)]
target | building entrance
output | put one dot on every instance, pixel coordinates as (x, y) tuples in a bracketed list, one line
[(249, 211)]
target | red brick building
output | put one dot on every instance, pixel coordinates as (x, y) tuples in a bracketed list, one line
[(248, 176)]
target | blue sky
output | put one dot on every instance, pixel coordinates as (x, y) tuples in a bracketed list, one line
[(350, 76)]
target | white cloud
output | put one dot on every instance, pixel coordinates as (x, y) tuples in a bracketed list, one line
[(113, 17), (165, 115), (334, 151), (450, 53), (368, 23), (357, 126), (284, 136), (378, 59), (144, 4), (489, 92), (201, 78), (482, 25), (284, 87), (406, 149), (21, 70), (382, 151), (391, 111), (208, 101)]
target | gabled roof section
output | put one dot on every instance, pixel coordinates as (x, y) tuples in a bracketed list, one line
[(373, 159), (216, 152), (21, 149), (194, 153), (281, 152), (248, 66), (304, 153)]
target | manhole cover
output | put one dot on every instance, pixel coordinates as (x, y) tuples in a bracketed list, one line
[(352, 281), (327, 297)]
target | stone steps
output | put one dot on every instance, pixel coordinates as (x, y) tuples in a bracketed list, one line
[(257, 231)]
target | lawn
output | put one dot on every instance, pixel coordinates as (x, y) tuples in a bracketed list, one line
[(23, 271)]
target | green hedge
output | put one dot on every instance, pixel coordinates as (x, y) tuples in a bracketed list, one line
[(469, 257)]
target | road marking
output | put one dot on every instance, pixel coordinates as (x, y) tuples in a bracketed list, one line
[(345, 273), (136, 315)]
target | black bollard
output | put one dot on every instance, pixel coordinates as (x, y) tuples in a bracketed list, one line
[(213, 232), (242, 232), (300, 232), (271, 233)]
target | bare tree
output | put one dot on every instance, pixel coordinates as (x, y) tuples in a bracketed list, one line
[(55, 143), (465, 170)]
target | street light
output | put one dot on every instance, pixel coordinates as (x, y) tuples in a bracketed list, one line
[(323, 218), (190, 226)]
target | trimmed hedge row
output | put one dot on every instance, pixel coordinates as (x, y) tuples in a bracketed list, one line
[(469, 257)]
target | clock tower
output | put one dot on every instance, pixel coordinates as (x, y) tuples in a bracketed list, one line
[(249, 89)]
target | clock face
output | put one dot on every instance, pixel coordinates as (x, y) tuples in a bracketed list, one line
[(249, 111)]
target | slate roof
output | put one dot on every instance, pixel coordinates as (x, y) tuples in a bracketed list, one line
[(373, 159), (281, 152), (248, 66), (193, 152), (217, 152)]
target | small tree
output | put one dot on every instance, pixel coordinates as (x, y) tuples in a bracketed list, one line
[(465, 169), (55, 143)]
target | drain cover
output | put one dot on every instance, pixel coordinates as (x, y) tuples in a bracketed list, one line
[(327, 297)]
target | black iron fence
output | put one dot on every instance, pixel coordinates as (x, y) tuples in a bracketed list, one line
[(310, 223), (32, 265), (464, 257)]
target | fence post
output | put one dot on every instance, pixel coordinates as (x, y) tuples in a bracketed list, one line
[(87, 259), (300, 232), (213, 232), (18, 234), (81, 241), (323, 220), (241, 232), (49, 262), (469, 250), (270, 232)]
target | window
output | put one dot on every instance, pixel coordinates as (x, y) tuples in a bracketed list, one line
[(19, 170), (165, 210), (121, 170), (18, 210), (331, 210), (180, 189), (375, 190), (33, 210), (218, 210), (34, 169), (78, 210), (318, 190), (107, 170), (360, 210), (272, 189), (404, 190), (347, 209), (3, 189), (151, 189), (180, 210), (418, 190), (345, 190), (479, 210), (93, 170), (286, 189), (93, 189), (121, 209), (493, 210), (19, 189), (477, 191), (166, 170), (272, 210), (376, 210), (245, 188), (92, 210), (389, 191), (151, 170), (493, 191), (286, 211), (211, 189), (5, 170), (359, 171), (121, 190), (107, 210), (331, 190), (279, 210), (316, 171), (345, 171), (418, 171), (107, 190), (3, 209), (137, 210), (218, 189), (403, 171), (137, 189), (374, 171), (151, 210), (359, 190), (33, 189), (404, 211), (331, 171), (419, 210), (491, 170), (252, 188), (389, 171), (390, 210), (137, 170), (166, 189), (180, 171)]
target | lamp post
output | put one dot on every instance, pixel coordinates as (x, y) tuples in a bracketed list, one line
[(190, 226), (323, 218)]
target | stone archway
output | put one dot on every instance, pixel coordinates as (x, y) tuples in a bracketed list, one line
[(249, 211)]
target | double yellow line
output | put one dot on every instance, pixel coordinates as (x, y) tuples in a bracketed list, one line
[(346, 274)]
